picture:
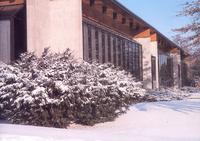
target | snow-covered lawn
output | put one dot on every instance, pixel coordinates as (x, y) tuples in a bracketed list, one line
[(159, 121)]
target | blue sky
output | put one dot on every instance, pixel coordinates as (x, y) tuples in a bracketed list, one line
[(161, 14)]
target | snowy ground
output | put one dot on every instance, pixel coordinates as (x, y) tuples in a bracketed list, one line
[(160, 121)]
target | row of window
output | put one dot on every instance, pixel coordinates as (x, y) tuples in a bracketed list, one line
[(104, 46)]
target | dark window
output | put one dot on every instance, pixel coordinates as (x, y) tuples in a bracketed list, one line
[(137, 27), (136, 55), (123, 20), (92, 2), (141, 63), (114, 15), (90, 43), (179, 74), (119, 54), (123, 54), (114, 51), (127, 55), (153, 67), (97, 44), (19, 33), (131, 24), (103, 47), (131, 59), (170, 67), (153, 71), (84, 42), (104, 9), (165, 70), (109, 48), (133, 46), (184, 73)]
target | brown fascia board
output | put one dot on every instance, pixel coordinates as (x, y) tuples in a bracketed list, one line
[(9, 11), (6, 3), (145, 23)]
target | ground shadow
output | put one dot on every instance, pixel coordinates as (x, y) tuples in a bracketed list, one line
[(179, 106)]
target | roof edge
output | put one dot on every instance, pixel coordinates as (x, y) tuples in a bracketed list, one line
[(148, 25)]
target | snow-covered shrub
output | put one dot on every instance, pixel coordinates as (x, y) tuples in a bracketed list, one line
[(168, 94), (191, 90), (54, 90)]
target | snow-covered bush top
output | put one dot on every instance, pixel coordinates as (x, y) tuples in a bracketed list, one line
[(54, 90)]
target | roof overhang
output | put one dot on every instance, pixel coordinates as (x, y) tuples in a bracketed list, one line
[(156, 33), (9, 11), (11, 2), (8, 8)]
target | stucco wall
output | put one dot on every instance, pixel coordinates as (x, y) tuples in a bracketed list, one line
[(56, 24), (176, 63), (149, 49), (38, 25), (154, 45)]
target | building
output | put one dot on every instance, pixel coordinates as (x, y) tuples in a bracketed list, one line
[(95, 30)]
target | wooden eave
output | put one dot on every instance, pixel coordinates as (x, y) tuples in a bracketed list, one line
[(11, 2), (156, 35), (9, 11)]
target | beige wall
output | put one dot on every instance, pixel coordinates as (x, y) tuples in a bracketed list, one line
[(154, 46), (149, 49), (176, 63), (56, 24), (38, 26)]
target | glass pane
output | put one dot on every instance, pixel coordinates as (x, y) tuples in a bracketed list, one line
[(120, 51)]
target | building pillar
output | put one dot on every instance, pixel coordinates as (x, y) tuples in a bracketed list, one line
[(149, 49), (176, 69), (56, 24)]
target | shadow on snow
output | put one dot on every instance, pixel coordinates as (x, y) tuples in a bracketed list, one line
[(179, 106)]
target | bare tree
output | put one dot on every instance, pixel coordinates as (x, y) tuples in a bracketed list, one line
[(188, 36), (178, 39)]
